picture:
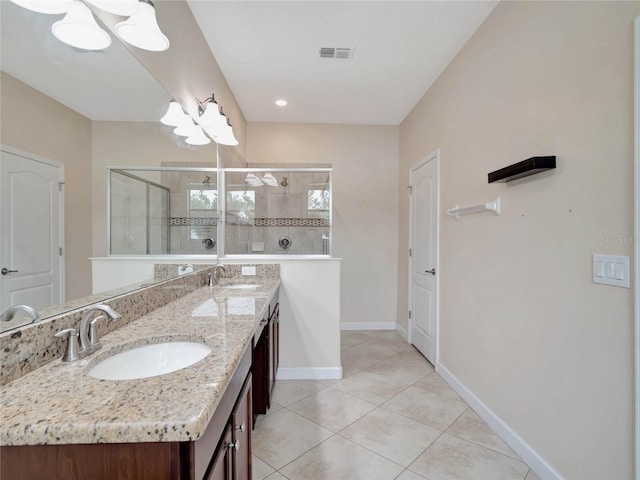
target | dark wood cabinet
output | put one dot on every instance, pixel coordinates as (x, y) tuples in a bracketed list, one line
[(213, 456), (266, 358), (222, 462), (232, 458)]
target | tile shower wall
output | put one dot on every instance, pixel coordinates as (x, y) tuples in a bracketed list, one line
[(189, 228), (279, 211)]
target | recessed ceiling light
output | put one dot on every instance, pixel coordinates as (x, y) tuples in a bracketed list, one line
[(281, 103)]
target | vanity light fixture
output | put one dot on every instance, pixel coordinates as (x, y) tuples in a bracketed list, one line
[(79, 29), (141, 29), (281, 102)]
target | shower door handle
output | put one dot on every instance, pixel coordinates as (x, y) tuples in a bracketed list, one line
[(6, 271), (432, 271)]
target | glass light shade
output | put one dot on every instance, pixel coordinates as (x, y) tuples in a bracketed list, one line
[(270, 180), (187, 128), (226, 136), (198, 138), (175, 115), (141, 30), (212, 118), (79, 29), (52, 7), (253, 180), (122, 8)]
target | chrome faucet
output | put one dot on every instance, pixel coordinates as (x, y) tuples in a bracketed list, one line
[(10, 313), (214, 276), (90, 343), (86, 342)]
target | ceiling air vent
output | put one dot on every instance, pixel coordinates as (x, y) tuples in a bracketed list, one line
[(336, 52)]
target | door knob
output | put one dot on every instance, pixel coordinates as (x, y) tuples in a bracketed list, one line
[(6, 271), (432, 271)]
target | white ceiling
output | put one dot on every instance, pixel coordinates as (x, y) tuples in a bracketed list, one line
[(270, 49)]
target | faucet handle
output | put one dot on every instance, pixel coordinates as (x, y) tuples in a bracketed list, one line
[(94, 342), (72, 352)]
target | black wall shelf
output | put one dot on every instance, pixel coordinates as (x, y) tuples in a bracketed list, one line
[(522, 169)]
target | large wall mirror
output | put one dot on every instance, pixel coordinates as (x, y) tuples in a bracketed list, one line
[(67, 115)]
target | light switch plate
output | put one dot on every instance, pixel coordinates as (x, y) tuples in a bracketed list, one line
[(611, 270), (249, 270)]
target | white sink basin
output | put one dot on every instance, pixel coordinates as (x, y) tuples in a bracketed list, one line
[(150, 360), (242, 286)]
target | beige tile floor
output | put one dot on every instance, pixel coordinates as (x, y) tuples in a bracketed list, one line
[(390, 417)]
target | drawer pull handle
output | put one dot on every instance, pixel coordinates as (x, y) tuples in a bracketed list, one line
[(242, 427)]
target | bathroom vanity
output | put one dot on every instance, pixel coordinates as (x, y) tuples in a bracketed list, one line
[(194, 423)]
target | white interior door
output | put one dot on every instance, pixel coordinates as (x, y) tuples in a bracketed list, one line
[(30, 232), (423, 261)]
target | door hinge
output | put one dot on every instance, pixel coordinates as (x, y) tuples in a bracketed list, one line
[(60, 186), (410, 252), (410, 187), (409, 314), (60, 251)]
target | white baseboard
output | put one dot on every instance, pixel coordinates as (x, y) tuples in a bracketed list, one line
[(309, 373), (368, 326), (511, 438), (404, 333)]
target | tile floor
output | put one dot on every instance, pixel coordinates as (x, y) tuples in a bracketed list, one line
[(390, 417)]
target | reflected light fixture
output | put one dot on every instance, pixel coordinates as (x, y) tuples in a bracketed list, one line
[(187, 128), (253, 180), (281, 102), (51, 7), (211, 121), (226, 136), (79, 29), (198, 138), (210, 116), (141, 29), (174, 116), (270, 180)]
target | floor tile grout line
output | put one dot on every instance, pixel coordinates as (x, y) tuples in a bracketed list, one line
[(383, 406), (480, 444)]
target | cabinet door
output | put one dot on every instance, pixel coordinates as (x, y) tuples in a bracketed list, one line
[(221, 465), (260, 372), (241, 422), (275, 346)]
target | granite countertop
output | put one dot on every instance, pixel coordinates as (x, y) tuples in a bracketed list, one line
[(60, 404)]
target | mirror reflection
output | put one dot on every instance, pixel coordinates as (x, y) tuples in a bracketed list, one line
[(67, 114)]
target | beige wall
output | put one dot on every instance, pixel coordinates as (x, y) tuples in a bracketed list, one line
[(522, 325), (37, 124), (365, 203), (135, 144)]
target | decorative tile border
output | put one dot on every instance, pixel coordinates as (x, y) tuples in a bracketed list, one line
[(192, 222), (255, 222)]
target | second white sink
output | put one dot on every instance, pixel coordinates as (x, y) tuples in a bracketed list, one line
[(150, 360)]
